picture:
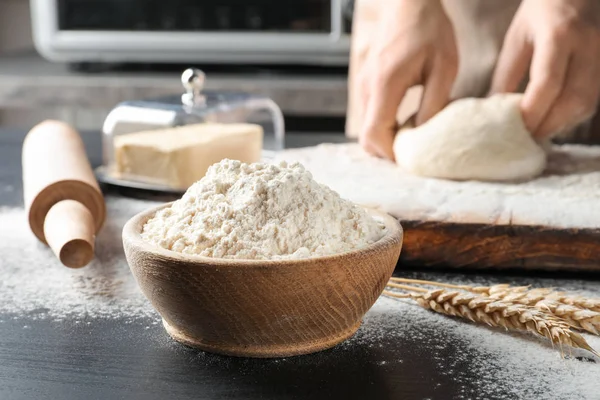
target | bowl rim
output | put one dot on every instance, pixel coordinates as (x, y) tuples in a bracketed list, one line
[(132, 234)]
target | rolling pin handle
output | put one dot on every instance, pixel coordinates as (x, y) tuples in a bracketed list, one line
[(69, 231)]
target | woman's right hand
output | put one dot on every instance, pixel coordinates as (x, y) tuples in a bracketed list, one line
[(558, 42), (414, 45)]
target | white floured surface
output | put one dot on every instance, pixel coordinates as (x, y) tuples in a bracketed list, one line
[(33, 282), (500, 365), (565, 196)]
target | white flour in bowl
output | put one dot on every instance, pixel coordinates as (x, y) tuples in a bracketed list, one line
[(261, 211)]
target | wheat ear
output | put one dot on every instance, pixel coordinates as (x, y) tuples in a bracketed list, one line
[(483, 309), (577, 317), (592, 304), (539, 294), (582, 313), (577, 301), (585, 320)]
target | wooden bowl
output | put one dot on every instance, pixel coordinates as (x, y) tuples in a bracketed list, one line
[(257, 308)]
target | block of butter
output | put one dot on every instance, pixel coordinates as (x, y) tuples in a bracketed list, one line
[(177, 157)]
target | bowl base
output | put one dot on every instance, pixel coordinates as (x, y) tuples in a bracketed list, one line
[(257, 351)]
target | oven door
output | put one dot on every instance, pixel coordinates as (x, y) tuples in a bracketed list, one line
[(211, 31)]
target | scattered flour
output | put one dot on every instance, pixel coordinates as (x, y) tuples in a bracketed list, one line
[(261, 211), (482, 363), (33, 282)]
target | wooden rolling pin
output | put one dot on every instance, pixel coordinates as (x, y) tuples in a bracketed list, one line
[(63, 201)]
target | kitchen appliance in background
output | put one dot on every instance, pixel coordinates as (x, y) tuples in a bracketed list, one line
[(304, 32)]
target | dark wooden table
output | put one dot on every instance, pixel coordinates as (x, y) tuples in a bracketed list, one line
[(135, 359)]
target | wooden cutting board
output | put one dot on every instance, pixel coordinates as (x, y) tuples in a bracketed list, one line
[(552, 222)]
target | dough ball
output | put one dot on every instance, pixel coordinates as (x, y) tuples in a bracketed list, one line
[(472, 139)]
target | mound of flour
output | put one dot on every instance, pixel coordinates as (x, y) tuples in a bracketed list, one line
[(261, 211)]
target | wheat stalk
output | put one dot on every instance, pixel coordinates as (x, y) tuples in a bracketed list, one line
[(496, 313), (582, 319), (577, 317), (580, 312), (539, 294), (574, 300), (592, 304)]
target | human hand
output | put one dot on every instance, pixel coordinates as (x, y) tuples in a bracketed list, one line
[(559, 40), (414, 45)]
